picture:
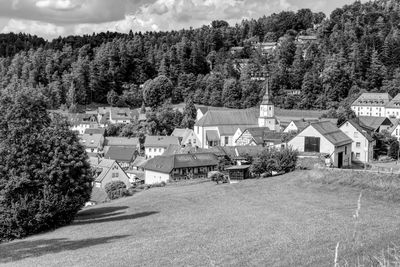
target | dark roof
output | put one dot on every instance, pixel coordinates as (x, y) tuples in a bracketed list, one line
[(91, 140), (121, 153), (178, 149), (332, 133), (212, 135), (166, 164), (95, 131), (121, 141), (203, 110), (229, 117), (82, 118), (372, 99), (238, 167), (360, 129), (373, 122), (160, 141)]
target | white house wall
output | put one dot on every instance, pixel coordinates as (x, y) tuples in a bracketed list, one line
[(290, 128), (360, 146), (153, 177), (375, 111)]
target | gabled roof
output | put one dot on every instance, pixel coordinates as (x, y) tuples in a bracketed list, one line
[(81, 118), (91, 140), (105, 166), (372, 99), (179, 132), (394, 103), (121, 141), (229, 117), (121, 153), (166, 164), (139, 162), (301, 124), (331, 132), (120, 113), (177, 149), (203, 109), (229, 130), (373, 122), (160, 141), (360, 129)]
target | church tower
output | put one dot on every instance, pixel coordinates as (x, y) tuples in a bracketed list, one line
[(267, 111)]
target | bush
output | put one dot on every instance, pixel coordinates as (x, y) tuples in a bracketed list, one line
[(116, 189), (273, 160), (45, 178)]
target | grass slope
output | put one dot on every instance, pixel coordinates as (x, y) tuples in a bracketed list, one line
[(281, 221)]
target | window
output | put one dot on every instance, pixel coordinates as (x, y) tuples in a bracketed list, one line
[(149, 149), (345, 150), (194, 141), (355, 134), (226, 140), (269, 108), (358, 144), (115, 175), (159, 150), (358, 155), (311, 144)]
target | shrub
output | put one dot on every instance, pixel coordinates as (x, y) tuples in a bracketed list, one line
[(116, 189), (274, 160), (45, 178)]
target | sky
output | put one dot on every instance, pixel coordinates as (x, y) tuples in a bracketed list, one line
[(53, 18)]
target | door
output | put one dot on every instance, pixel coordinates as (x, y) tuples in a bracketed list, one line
[(340, 159), (311, 144)]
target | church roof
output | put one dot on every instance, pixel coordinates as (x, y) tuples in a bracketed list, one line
[(229, 117)]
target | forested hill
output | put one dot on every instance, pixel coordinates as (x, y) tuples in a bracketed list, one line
[(357, 48)]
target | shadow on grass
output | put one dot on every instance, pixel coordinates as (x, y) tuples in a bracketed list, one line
[(26, 249), (112, 217), (95, 213)]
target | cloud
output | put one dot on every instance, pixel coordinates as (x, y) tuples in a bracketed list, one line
[(51, 18)]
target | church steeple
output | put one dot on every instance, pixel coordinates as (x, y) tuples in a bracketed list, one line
[(266, 98)]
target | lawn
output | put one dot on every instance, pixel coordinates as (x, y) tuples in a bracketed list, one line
[(281, 221)]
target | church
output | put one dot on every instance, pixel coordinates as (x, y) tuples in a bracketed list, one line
[(222, 127)]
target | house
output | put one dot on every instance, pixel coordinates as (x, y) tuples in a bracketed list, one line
[(376, 124), (371, 104), (297, 125), (109, 170), (80, 122), (217, 127), (395, 130), (201, 111), (259, 136), (93, 143), (120, 115), (325, 137), (265, 48), (292, 92), (178, 149), (236, 50), (156, 145), (181, 166), (304, 39), (186, 136), (124, 155), (392, 109), (363, 143)]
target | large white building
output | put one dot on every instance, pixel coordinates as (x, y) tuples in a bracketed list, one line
[(373, 104)]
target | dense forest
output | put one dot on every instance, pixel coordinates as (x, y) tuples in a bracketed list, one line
[(357, 49)]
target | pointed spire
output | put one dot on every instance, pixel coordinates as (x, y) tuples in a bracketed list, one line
[(266, 97)]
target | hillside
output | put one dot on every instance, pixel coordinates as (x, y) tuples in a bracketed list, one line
[(281, 221), (355, 48)]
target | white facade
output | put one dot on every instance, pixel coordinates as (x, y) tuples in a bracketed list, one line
[(152, 152), (375, 111), (153, 177), (362, 149), (200, 132), (396, 132), (237, 134), (325, 146), (393, 113), (291, 128)]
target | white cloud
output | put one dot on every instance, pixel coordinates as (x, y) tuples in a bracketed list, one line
[(42, 29), (58, 4)]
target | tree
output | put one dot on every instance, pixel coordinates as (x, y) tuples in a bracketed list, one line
[(189, 115), (45, 177), (112, 98), (231, 93), (157, 91)]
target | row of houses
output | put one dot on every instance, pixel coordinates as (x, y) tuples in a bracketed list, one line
[(377, 105)]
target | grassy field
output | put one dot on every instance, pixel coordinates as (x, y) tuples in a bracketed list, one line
[(288, 220)]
